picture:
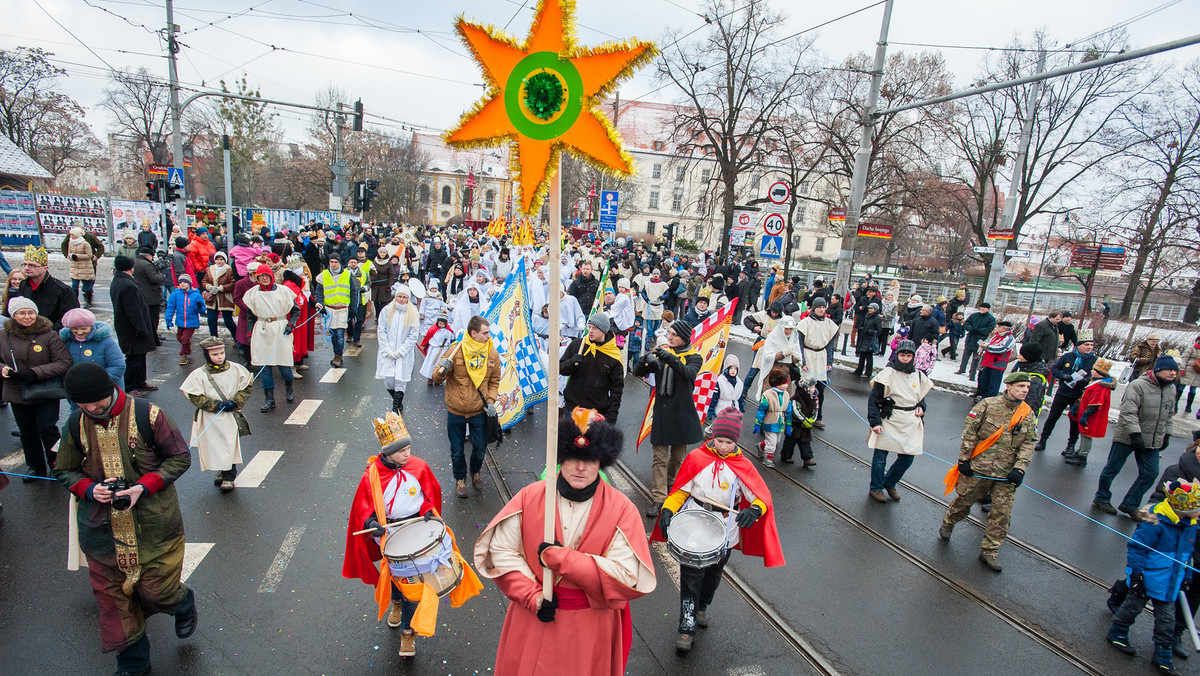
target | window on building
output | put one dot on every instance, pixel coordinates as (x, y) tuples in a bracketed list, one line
[(424, 193), (804, 186), (677, 202), (650, 227), (702, 204), (680, 174), (654, 198), (820, 244), (447, 195), (489, 199), (658, 145), (705, 175), (698, 232), (656, 171)]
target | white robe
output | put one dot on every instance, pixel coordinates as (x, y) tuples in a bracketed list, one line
[(571, 319), (269, 345), (215, 435), (654, 291), (464, 309), (441, 339), (398, 328), (431, 307), (903, 432), (622, 312), (817, 334), (777, 342)]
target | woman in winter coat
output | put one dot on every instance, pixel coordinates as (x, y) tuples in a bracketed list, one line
[(31, 352), (399, 326), (81, 255), (870, 334), (1189, 376), (896, 411), (217, 290), (382, 273), (90, 340)]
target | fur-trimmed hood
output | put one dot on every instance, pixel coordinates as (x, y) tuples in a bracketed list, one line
[(39, 326), (100, 332)]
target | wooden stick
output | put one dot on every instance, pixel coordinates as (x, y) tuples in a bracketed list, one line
[(385, 525), (552, 355)]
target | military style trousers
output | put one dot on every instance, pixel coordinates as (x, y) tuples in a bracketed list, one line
[(969, 490)]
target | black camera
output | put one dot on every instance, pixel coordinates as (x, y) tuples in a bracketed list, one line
[(119, 502)]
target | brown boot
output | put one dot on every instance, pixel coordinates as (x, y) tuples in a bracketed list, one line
[(336, 362), (477, 482), (893, 494), (877, 496), (394, 618), (408, 643), (183, 360), (460, 488)]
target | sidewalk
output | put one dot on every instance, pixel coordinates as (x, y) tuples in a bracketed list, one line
[(945, 379)]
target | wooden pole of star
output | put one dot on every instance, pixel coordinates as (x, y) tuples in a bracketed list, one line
[(555, 200)]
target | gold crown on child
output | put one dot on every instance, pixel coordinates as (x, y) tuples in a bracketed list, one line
[(390, 429)]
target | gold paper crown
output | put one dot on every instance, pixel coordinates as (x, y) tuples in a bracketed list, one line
[(36, 254), (391, 429), (1182, 496)]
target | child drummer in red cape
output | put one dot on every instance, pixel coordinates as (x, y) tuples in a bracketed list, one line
[(718, 474), (397, 486)]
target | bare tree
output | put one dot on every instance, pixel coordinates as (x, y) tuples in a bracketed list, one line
[(734, 82), (47, 124)]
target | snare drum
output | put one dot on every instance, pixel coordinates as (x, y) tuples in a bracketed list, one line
[(696, 538), (424, 550)]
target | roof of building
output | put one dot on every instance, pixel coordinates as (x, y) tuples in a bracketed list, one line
[(14, 162), (491, 162)]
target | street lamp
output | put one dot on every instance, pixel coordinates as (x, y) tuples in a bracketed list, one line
[(470, 194), (591, 196)]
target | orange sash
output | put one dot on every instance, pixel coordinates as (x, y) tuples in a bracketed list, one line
[(951, 479), (424, 622)]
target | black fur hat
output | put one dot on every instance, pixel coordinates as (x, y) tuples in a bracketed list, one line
[(599, 439)]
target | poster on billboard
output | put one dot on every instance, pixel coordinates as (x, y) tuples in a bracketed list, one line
[(18, 218), (131, 215), (57, 214)]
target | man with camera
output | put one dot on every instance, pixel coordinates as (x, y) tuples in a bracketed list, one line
[(120, 456)]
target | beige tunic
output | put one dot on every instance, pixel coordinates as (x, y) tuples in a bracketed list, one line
[(904, 432), (269, 345), (654, 306), (817, 334), (215, 435)]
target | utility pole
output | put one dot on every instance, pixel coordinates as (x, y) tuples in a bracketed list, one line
[(1014, 188), (176, 138), (862, 160), (339, 168), (229, 229)]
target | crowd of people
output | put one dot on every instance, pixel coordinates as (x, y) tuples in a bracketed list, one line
[(622, 312)]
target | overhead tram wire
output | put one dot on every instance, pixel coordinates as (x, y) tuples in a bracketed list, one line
[(1127, 22), (68, 30), (218, 21), (122, 18)]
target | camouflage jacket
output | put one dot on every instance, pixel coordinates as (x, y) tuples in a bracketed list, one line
[(1014, 448)]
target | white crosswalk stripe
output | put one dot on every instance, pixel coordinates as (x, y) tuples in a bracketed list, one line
[(193, 554), (334, 458), (333, 375), (303, 412), (256, 470), (286, 551)]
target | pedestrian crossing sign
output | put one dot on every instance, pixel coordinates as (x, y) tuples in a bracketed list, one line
[(770, 247)]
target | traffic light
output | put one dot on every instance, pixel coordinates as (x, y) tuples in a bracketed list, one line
[(171, 191), (358, 195), (152, 191), (358, 115), (370, 192)]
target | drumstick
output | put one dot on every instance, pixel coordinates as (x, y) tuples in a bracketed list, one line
[(724, 508), (371, 530)]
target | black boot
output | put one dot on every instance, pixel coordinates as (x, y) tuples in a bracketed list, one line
[(270, 404), (87, 299), (287, 386), (398, 401), (392, 394)]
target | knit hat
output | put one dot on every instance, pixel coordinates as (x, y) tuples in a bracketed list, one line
[(731, 360), (181, 242), (683, 330), (1102, 366), (601, 321), (1016, 377), (20, 303), (819, 302), (87, 383), (220, 254), (145, 250), (123, 264), (1166, 363), (623, 284), (78, 318), (873, 306), (584, 434), (184, 278), (399, 288), (1153, 336), (728, 424), (1031, 351)]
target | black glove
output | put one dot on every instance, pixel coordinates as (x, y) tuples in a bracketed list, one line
[(1016, 476), (546, 612), (227, 405), (74, 257), (429, 515), (664, 520), (964, 468), (1083, 420), (1137, 583), (541, 548), (1137, 442), (1166, 442), (748, 516), (26, 377), (287, 330), (1184, 586), (374, 525)]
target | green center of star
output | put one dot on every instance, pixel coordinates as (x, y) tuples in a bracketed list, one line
[(543, 94)]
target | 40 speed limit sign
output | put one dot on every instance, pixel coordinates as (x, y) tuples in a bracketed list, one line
[(774, 225)]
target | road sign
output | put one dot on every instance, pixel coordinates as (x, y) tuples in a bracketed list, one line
[(158, 169), (1002, 233), (770, 247), (774, 225), (837, 214), (175, 175), (1099, 259), (1016, 253), (610, 201), (772, 208), (779, 192), (984, 249), (880, 230)]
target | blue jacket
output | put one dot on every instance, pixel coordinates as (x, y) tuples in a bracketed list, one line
[(955, 330), (184, 309), (99, 348), (1175, 538)]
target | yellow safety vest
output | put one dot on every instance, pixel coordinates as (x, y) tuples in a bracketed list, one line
[(364, 282), (336, 290)]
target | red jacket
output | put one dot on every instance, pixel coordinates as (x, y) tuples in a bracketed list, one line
[(1098, 397), (200, 253)]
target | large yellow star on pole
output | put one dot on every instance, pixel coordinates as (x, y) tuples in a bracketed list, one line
[(543, 96)]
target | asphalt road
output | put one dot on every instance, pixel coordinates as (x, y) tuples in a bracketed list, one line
[(870, 586)]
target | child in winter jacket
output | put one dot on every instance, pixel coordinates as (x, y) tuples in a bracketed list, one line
[(901, 334), (955, 332), (1156, 568), (1091, 412), (728, 390), (774, 417), (185, 306), (925, 357), (804, 414)]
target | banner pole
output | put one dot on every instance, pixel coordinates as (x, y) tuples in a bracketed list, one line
[(552, 355)]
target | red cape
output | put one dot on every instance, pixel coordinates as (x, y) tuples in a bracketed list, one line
[(423, 346), (300, 337), (361, 550), (761, 539)]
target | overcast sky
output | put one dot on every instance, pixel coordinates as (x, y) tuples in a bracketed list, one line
[(425, 77)]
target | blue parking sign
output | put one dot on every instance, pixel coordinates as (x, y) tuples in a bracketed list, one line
[(609, 203)]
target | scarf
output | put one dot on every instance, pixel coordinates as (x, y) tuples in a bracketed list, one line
[(900, 367), (577, 494), (608, 347), (475, 357)]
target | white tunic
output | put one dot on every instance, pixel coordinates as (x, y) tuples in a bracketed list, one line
[(215, 435), (717, 483), (398, 329), (438, 343), (903, 432), (654, 306), (817, 334), (431, 307), (269, 345)]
